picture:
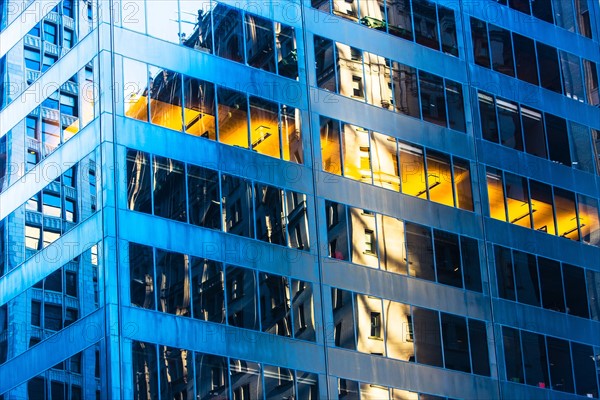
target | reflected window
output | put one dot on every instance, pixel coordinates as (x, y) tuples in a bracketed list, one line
[(533, 132), (566, 214), (203, 197), (433, 101), (228, 32), (145, 371), (138, 181), (330, 145), (517, 200), (456, 343), (420, 251), (172, 272), (291, 134), (559, 358), (135, 92), (325, 62), (504, 273), (237, 204), (302, 310), (542, 207), (242, 304), (428, 340), (456, 108), (425, 22), (405, 89), (337, 230), (343, 319), (169, 189), (287, 53), (165, 98), (246, 380), (501, 50), (481, 48), (447, 258), (260, 39), (589, 223), (212, 376), (356, 153), (176, 373), (279, 383), (509, 123), (447, 30), (233, 117), (572, 76), (391, 244), (199, 112), (208, 294), (275, 304), (412, 170), (584, 369), (462, 184), (439, 178), (535, 360)]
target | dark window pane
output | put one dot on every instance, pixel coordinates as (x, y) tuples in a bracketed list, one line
[(542, 207), (324, 60), (549, 67), (260, 39), (512, 355), (559, 357), (138, 181), (172, 269), (270, 225), (406, 89), (520, 5), (510, 124), (36, 388), (275, 304), (433, 102), (208, 290), (425, 21), (287, 53), (212, 376), (53, 317), (246, 380), (575, 291), (585, 369), (199, 112), (343, 319), (420, 251), (279, 383), (447, 30), (176, 372), (552, 285), (526, 278), (481, 48), (399, 19), (456, 108), (479, 347), (501, 48), (566, 214), (242, 310), (229, 38), (542, 9), (237, 206), (456, 343), (533, 131), (517, 200), (141, 270), (447, 258), (302, 310), (504, 273), (590, 73), (572, 76), (337, 230), (534, 356), (54, 281), (525, 58), (144, 368), (308, 385), (165, 98), (427, 336), (169, 189), (203, 197), (581, 148), (470, 263), (593, 291), (489, 122)]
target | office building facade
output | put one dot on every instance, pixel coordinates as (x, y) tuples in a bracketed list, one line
[(312, 199)]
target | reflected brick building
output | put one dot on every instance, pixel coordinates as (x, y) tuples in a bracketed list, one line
[(315, 199)]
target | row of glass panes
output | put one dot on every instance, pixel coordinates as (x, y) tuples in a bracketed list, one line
[(567, 14), (388, 84), (547, 283), (215, 28), (162, 372), (52, 304), (542, 207), (538, 133), (230, 295), (410, 333), (433, 24), (187, 104), (550, 363), (379, 241), (384, 161), (534, 62), (49, 40), (352, 390), (216, 201)]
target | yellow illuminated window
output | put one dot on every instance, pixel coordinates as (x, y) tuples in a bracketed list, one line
[(495, 189)]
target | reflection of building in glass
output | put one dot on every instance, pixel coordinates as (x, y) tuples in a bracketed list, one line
[(328, 199)]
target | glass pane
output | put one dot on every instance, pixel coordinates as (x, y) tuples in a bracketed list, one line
[(165, 99), (479, 347), (337, 230), (564, 14), (462, 184), (350, 75), (233, 117), (212, 376), (279, 383), (481, 48), (145, 371), (176, 373), (275, 304), (433, 102), (487, 113), (199, 111), (420, 252), (374, 392), (163, 21), (542, 9), (385, 161), (242, 310), (297, 220), (585, 369), (427, 336), (135, 93), (245, 379), (287, 54), (501, 50), (447, 258), (203, 197), (448, 30), (456, 107), (324, 61), (533, 131), (526, 278), (590, 74), (302, 310), (559, 357), (369, 324), (208, 287), (504, 273), (551, 282), (542, 208), (237, 205), (141, 271), (581, 148), (510, 124), (330, 145), (575, 288), (260, 39), (348, 390), (558, 140), (471, 263), (399, 331), (229, 38), (536, 363), (525, 58), (172, 270), (392, 245), (291, 134), (439, 178), (195, 25), (406, 88), (512, 355), (169, 189), (412, 171), (343, 319), (308, 385), (548, 66), (363, 237), (378, 78), (517, 200), (357, 157), (399, 19), (571, 76), (456, 343), (566, 215), (138, 181), (588, 219), (264, 127), (425, 22)]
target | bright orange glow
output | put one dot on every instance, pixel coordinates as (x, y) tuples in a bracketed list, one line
[(566, 218), (330, 150), (264, 133), (496, 197), (137, 108), (439, 180), (199, 124), (233, 126), (385, 163), (543, 216), (412, 171), (166, 115), (518, 212)]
